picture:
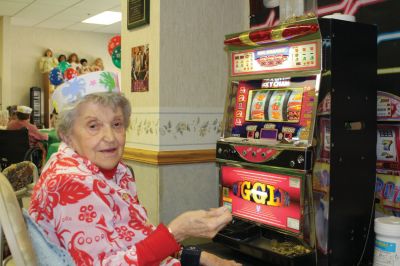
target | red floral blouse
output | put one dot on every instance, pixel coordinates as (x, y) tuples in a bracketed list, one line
[(98, 220)]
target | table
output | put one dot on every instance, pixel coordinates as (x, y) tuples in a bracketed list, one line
[(51, 132)]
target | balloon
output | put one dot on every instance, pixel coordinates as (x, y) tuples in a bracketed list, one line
[(55, 76), (116, 56), (63, 66), (70, 73), (114, 42)]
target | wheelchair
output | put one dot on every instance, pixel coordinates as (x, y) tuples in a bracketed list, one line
[(15, 148)]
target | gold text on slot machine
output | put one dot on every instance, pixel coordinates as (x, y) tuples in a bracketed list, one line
[(261, 193)]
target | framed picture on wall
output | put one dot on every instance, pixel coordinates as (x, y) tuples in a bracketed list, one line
[(140, 68), (138, 13)]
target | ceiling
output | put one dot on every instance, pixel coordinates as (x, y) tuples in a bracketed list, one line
[(60, 14)]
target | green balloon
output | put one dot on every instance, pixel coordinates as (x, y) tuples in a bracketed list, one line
[(116, 56), (64, 65)]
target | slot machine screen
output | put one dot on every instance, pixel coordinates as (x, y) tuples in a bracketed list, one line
[(279, 105), (262, 197), (388, 146), (275, 109)]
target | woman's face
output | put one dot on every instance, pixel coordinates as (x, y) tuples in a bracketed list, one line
[(49, 53), (98, 134)]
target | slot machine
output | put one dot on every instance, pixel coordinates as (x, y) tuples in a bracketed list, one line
[(35, 103), (297, 155), (387, 153)]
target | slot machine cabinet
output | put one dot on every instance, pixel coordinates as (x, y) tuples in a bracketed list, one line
[(297, 155), (387, 147), (36, 105)]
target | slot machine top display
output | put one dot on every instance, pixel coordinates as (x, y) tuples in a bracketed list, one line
[(273, 90)]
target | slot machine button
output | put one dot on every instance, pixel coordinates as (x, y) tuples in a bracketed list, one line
[(263, 154), (292, 163), (244, 153), (254, 154), (300, 159), (219, 150)]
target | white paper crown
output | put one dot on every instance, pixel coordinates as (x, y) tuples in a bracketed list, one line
[(80, 86), (24, 109)]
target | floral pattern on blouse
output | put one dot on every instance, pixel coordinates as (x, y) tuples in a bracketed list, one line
[(97, 220)]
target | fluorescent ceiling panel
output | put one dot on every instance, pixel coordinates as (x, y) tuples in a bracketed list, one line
[(104, 18)]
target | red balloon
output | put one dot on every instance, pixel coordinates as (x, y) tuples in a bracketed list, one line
[(70, 73), (114, 42)]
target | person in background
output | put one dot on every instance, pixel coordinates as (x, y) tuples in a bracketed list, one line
[(84, 67), (23, 114), (73, 60), (62, 58), (53, 118), (86, 198), (12, 112), (97, 65)]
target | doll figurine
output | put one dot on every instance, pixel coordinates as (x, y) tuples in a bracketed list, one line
[(98, 65), (47, 62), (62, 58), (73, 60), (85, 67)]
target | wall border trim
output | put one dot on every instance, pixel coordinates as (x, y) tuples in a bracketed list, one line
[(169, 157)]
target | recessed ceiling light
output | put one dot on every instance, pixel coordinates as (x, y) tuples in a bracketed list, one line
[(104, 18)]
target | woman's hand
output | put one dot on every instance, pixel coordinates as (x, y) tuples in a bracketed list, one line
[(208, 259), (200, 223)]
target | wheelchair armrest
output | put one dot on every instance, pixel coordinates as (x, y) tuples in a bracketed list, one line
[(29, 153)]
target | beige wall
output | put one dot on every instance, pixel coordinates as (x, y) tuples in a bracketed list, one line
[(188, 72), (183, 109), (193, 61), (193, 82), (147, 180), (1, 58), (194, 70), (28, 44), (149, 34), (145, 105), (5, 57), (187, 187)]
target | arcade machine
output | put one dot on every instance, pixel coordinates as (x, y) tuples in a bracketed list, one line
[(388, 153), (35, 103), (297, 155)]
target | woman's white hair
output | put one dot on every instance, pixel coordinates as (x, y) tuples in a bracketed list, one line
[(67, 116)]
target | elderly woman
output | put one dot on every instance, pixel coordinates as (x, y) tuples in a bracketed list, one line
[(86, 199)]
